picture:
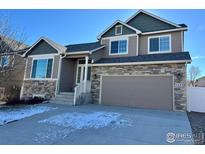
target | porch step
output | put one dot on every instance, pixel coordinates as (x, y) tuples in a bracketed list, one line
[(67, 93), (61, 102), (63, 98)]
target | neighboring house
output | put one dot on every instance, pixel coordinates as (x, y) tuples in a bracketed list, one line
[(200, 82), (12, 67), (137, 63)]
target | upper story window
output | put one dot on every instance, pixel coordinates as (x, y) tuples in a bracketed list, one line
[(118, 30), (159, 44), (42, 68), (118, 47), (4, 60)]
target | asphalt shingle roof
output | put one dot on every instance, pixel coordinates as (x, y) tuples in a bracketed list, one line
[(83, 47), (147, 58), (58, 47)]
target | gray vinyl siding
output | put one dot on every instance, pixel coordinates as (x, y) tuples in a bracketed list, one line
[(132, 47), (55, 66), (98, 54), (125, 31), (176, 42), (146, 23), (42, 48), (68, 74), (54, 71), (176, 45), (28, 67)]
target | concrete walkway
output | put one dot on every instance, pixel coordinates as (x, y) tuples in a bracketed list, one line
[(139, 126)]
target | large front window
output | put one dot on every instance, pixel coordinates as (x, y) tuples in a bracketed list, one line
[(159, 44), (42, 68), (118, 47)]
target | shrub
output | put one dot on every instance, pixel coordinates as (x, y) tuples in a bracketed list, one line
[(12, 97), (12, 93), (29, 101), (35, 100)]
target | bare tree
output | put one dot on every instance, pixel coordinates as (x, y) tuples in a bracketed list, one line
[(12, 40), (194, 72), (12, 43)]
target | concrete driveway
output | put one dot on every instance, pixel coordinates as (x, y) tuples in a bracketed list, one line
[(95, 124)]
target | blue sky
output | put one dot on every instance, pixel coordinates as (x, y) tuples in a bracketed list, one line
[(77, 26)]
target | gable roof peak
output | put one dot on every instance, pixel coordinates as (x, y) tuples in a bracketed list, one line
[(122, 23), (152, 15), (58, 47)]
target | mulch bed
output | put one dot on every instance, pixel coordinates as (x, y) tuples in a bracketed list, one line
[(197, 121)]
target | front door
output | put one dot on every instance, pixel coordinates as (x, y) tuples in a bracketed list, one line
[(81, 74)]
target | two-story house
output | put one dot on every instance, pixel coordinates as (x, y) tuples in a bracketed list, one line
[(137, 63)]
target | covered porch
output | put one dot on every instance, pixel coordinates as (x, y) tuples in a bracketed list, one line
[(74, 77)]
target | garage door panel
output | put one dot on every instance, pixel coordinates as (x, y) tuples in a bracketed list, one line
[(154, 92)]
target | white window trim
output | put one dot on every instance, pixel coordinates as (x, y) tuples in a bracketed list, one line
[(42, 79), (46, 68), (8, 60), (77, 67), (158, 36), (78, 61), (116, 30), (118, 39)]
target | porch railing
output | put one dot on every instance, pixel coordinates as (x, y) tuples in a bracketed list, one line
[(79, 90), (77, 93)]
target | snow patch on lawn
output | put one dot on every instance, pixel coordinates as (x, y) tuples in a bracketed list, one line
[(62, 125), (86, 120), (16, 113)]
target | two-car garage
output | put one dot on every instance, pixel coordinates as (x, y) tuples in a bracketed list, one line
[(147, 91)]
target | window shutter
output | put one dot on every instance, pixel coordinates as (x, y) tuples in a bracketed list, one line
[(33, 75), (49, 68)]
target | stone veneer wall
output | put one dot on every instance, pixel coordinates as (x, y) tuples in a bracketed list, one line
[(155, 69), (39, 87)]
